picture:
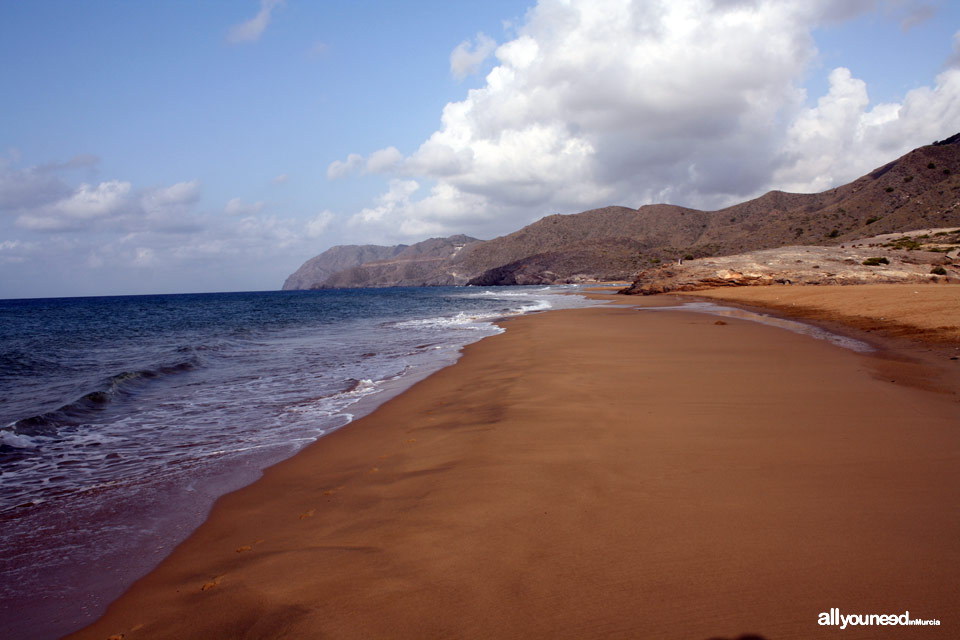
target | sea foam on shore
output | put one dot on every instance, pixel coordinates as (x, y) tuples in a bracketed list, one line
[(125, 418)]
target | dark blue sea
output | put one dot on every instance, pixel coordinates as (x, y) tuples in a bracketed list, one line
[(123, 418)]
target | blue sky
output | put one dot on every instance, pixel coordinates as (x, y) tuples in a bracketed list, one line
[(154, 147)]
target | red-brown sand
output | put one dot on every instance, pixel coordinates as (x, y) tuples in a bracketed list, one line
[(928, 312), (594, 473)]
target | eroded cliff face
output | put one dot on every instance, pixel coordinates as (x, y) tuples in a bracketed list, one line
[(919, 190)]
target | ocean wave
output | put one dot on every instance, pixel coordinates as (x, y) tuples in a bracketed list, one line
[(330, 404), (473, 320), (16, 441), (117, 386)]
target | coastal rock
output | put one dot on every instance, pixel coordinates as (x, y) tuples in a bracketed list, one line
[(875, 260)]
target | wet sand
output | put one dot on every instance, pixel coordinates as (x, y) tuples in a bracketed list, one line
[(605, 472), (929, 312)]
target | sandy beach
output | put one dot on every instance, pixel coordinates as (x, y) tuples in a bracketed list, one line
[(928, 313), (606, 472)]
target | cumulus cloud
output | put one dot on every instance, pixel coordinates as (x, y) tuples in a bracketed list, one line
[(343, 168), (40, 199), (252, 29), (597, 102), (384, 160), (465, 60), (181, 193), (318, 224), (394, 200), (281, 179), (74, 212), (237, 207), (844, 137)]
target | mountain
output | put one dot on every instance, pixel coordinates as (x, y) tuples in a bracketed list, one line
[(424, 263), (319, 268), (920, 189)]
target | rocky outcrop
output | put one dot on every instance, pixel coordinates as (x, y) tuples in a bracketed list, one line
[(922, 256)]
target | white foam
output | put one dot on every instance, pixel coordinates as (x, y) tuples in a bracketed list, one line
[(17, 441)]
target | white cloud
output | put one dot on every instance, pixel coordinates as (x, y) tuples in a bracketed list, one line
[(843, 137), (75, 212), (179, 193), (237, 207), (396, 199), (281, 179), (466, 60), (252, 29), (112, 237), (384, 160), (39, 200), (95, 202), (597, 102), (343, 168), (316, 226)]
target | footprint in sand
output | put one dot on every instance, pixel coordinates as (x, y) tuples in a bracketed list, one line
[(210, 585)]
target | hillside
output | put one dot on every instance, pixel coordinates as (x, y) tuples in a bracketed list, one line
[(319, 268), (424, 263), (920, 189)]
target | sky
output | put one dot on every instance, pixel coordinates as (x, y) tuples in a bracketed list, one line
[(175, 147)]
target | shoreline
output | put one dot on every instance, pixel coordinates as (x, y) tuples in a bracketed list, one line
[(62, 571), (405, 511), (879, 309)]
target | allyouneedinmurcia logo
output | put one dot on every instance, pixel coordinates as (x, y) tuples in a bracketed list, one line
[(834, 618)]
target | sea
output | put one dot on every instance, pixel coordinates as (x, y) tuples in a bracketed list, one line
[(122, 419)]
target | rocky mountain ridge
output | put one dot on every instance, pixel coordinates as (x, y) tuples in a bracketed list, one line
[(920, 189)]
